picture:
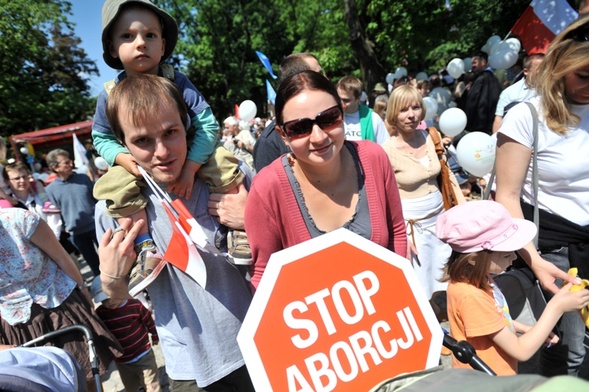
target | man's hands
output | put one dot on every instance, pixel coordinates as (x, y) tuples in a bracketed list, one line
[(117, 255), (229, 207)]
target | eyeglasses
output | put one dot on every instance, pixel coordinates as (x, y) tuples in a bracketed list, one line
[(25, 177), (326, 120), (580, 34)]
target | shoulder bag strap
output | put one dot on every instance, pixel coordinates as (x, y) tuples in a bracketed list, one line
[(535, 169), (435, 135)]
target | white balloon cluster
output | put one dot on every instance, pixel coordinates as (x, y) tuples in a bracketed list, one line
[(398, 74), (476, 150), (502, 53)]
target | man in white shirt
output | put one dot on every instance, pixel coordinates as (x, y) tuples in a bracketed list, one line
[(360, 122), (519, 91)]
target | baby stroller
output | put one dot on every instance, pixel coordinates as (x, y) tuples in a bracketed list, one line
[(30, 368)]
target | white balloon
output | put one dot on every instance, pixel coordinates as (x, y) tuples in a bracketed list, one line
[(390, 78), (455, 68), (467, 64), (489, 44), (24, 151), (421, 76), (503, 59), (514, 44), (497, 46), (431, 108), (493, 40), (401, 71), (247, 110), (476, 153), (452, 121)]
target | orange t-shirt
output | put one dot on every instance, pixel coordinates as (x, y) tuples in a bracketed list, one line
[(474, 315)]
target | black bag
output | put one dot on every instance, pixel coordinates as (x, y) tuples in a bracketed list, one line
[(523, 294)]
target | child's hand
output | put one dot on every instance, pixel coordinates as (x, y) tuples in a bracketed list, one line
[(184, 184), (128, 162), (568, 300)]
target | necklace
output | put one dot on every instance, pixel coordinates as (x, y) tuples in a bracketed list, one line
[(409, 146)]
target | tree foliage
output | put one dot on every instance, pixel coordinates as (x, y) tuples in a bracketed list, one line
[(43, 71), (220, 38), (366, 38)]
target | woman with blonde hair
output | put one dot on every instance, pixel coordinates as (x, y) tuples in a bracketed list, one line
[(413, 157), (562, 107)]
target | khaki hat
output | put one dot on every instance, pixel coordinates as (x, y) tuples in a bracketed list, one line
[(111, 9), (379, 88)]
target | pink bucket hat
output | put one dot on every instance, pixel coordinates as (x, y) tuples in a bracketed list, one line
[(483, 225)]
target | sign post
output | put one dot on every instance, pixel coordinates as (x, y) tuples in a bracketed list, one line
[(338, 312)]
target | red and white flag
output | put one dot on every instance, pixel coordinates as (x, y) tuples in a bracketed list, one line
[(187, 236), (541, 22)]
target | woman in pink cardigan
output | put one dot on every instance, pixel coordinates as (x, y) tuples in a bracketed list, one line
[(325, 183)]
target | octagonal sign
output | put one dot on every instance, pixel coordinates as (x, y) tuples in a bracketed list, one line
[(337, 313)]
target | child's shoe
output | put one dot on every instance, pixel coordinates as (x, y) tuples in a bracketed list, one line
[(239, 247), (148, 266), (48, 207)]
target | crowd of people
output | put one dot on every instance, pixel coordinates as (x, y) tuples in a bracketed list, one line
[(325, 161)]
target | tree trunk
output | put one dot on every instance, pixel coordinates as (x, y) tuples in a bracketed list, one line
[(372, 70)]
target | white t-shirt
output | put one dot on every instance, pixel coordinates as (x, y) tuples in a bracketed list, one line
[(353, 131), (517, 92), (563, 162)]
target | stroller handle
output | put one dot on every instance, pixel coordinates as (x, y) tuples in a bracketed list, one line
[(50, 335), (92, 357), (465, 353)]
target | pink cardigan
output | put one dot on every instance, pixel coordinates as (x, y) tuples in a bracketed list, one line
[(273, 220)]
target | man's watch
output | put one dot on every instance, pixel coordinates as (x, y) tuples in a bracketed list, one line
[(83, 286)]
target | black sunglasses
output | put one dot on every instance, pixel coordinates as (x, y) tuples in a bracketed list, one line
[(580, 34), (302, 127)]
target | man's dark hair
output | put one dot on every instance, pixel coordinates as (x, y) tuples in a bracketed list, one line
[(482, 55), (294, 63)]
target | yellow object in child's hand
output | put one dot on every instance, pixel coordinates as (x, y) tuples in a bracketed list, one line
[(576, 287)]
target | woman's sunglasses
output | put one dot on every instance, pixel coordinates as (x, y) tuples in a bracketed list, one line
[(580, 34), (302, 127)]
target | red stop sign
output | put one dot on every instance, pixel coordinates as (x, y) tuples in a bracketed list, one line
[(337, 312)]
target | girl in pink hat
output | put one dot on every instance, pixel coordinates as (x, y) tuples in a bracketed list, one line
[(484, 237)]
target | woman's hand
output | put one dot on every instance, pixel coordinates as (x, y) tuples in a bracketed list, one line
[(411, 250), (547, 273), (117, 255)]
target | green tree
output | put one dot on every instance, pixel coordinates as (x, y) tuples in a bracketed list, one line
[(427, 35), (43, 71), (220, 37), (365, 38)]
